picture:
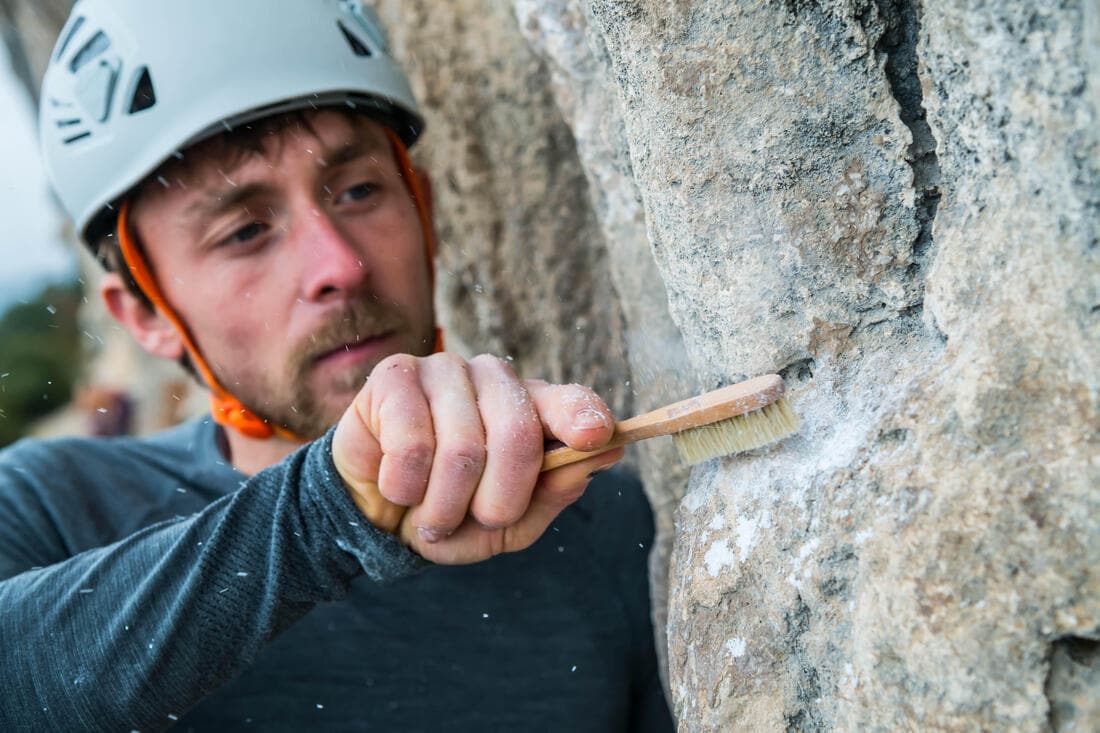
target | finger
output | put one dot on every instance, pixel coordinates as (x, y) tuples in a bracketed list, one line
[(513, 440), (357, 455), (401, 419), (459, 446), (573, 414), (556, 490)]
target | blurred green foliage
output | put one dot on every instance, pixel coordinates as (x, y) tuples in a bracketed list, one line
[(40, 356)]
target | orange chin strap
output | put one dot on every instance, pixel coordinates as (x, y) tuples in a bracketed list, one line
[(226, 409), (423, 209)]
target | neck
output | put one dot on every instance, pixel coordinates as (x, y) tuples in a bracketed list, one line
[(251, 455)]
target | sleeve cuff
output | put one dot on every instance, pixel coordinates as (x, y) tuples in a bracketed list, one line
[(381, 555)]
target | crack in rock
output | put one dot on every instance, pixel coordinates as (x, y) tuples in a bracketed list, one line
[(1072, 684), (898, 43)]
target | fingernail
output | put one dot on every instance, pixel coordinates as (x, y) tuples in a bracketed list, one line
[(430, 535), (590, 419)]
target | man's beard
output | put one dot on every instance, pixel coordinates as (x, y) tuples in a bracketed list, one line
[(285, 397)]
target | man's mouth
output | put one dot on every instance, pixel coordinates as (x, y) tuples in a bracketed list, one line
[(354, 350)]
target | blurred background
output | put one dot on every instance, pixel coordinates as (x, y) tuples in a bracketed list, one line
[(40, 288), (64, 368)]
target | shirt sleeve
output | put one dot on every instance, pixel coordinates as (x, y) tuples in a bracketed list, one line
[(131, 635)]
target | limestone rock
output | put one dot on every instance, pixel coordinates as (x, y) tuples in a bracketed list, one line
[(895, 205), (910, 559)]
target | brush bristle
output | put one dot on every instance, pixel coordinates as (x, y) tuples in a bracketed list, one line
[(737, 434)]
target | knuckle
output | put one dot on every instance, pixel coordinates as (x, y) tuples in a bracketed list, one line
[(449, 359), (395, 363), (466, 461), (490, 362), (415, 458), (527, 452), (401, 487)]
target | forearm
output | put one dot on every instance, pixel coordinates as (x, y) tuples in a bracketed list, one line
[(130, 635)]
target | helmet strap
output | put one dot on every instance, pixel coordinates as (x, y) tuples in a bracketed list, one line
[(423, 210)]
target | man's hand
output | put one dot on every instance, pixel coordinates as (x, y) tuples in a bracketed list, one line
[(446, 453)]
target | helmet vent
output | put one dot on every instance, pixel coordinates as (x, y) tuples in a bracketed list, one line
[(76, 137), (96, 45), (357, 46), (69, 36), (144, 95)]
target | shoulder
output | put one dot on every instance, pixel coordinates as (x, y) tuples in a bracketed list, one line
[(43, 457), (58, 462), (61, 496)]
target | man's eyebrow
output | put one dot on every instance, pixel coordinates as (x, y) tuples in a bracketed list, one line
[(224, 199), (351, 151), (231, 196)]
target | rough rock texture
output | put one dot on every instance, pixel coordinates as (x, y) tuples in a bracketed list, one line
[(926, 546)]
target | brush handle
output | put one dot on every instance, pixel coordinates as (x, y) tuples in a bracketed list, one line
[(693, 412)]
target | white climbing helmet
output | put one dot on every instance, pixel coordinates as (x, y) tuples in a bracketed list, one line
[(132, 82)]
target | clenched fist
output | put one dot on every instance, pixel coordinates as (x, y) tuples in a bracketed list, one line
[(446, 453)]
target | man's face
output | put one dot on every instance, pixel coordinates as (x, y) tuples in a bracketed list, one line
[(297, 270)]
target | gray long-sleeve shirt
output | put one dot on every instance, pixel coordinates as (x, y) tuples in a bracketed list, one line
[(145, 583)]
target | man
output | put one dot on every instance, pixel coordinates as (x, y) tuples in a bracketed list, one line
[(242, 168)]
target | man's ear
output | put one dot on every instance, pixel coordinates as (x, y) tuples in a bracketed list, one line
[(148, 326)]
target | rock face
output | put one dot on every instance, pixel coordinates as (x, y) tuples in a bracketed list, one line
[(895, 204)]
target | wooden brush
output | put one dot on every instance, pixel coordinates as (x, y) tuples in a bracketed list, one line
[(732, 419)]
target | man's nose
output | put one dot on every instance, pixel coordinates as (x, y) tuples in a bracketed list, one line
[(332, 266)]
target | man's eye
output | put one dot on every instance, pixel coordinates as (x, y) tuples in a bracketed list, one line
[(359, 192), (247, 232)]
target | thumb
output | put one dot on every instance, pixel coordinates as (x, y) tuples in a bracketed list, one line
[(357, 456)]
